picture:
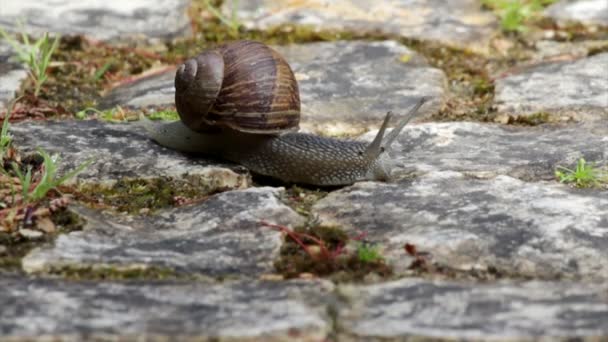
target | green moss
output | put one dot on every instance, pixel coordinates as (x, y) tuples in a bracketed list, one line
[(138, 196), (471, 89), (531, 120), (574, 31), (168, 115), (302, 199), (104, 272), (342, 265), (600, 48), (213, 33)]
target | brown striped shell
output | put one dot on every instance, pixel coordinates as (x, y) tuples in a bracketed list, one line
[(244, 85)]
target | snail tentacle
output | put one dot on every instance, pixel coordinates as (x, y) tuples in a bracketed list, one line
[(390, 138)]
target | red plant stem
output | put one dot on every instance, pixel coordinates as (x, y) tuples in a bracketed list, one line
[(291, 234), (296, 237)]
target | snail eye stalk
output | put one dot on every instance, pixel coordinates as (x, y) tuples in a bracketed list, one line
[(375, 148), (392, 136)]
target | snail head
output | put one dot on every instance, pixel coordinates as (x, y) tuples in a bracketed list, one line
[(379, 150)]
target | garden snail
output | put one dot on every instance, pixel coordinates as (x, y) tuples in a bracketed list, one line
[(240, 101)]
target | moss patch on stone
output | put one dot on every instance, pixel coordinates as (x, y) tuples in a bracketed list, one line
[(471, 89), (573, 31), (302, 199), (326, 251), (143, 196), (534, 119), (107, 272)]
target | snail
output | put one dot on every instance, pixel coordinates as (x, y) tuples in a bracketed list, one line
[(240, 102)]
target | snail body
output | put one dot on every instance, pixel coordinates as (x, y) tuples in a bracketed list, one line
[(240, 102)]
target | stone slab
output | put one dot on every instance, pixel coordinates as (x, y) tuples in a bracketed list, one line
[(420, 310), (566, 90), (156, 90), (43, 309), (588, 12), (220, 237), (540, 230), (12, 74), (460, 23), (118, 151), (487, 150), (98, 19), (345, 87)]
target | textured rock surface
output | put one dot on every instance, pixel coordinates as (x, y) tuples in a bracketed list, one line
[(117, 151), (577, 89), (349, 86), (461, 190), (243, 311), (99, 19), (219, 237), (541, 230), (456, 22), (407, 309), (482, 150), (345, 87), (297, 311), (11, 75), (155, 90), (584, 11)]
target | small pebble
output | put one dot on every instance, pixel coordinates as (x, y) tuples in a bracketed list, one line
[(272, 277), (306, 275), (46, 225), (30, 233), (2, 250)]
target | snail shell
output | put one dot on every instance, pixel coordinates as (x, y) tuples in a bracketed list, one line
[(244, 85)]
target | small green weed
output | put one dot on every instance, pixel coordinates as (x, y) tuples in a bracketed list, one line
[(5, 137), (37, 55), (515, 13), (48, 180), (369, 253), (101, 71), (233, 21), (583, 176)]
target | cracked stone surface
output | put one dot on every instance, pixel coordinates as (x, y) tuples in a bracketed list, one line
[(118, 151), (589, 12), (541, 230), (220, 237), (98, 19), (241, 311), (457, 22), (487, 150), (417, 309), (577, 90), (345, 87), (298, 310), (12, 74)]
